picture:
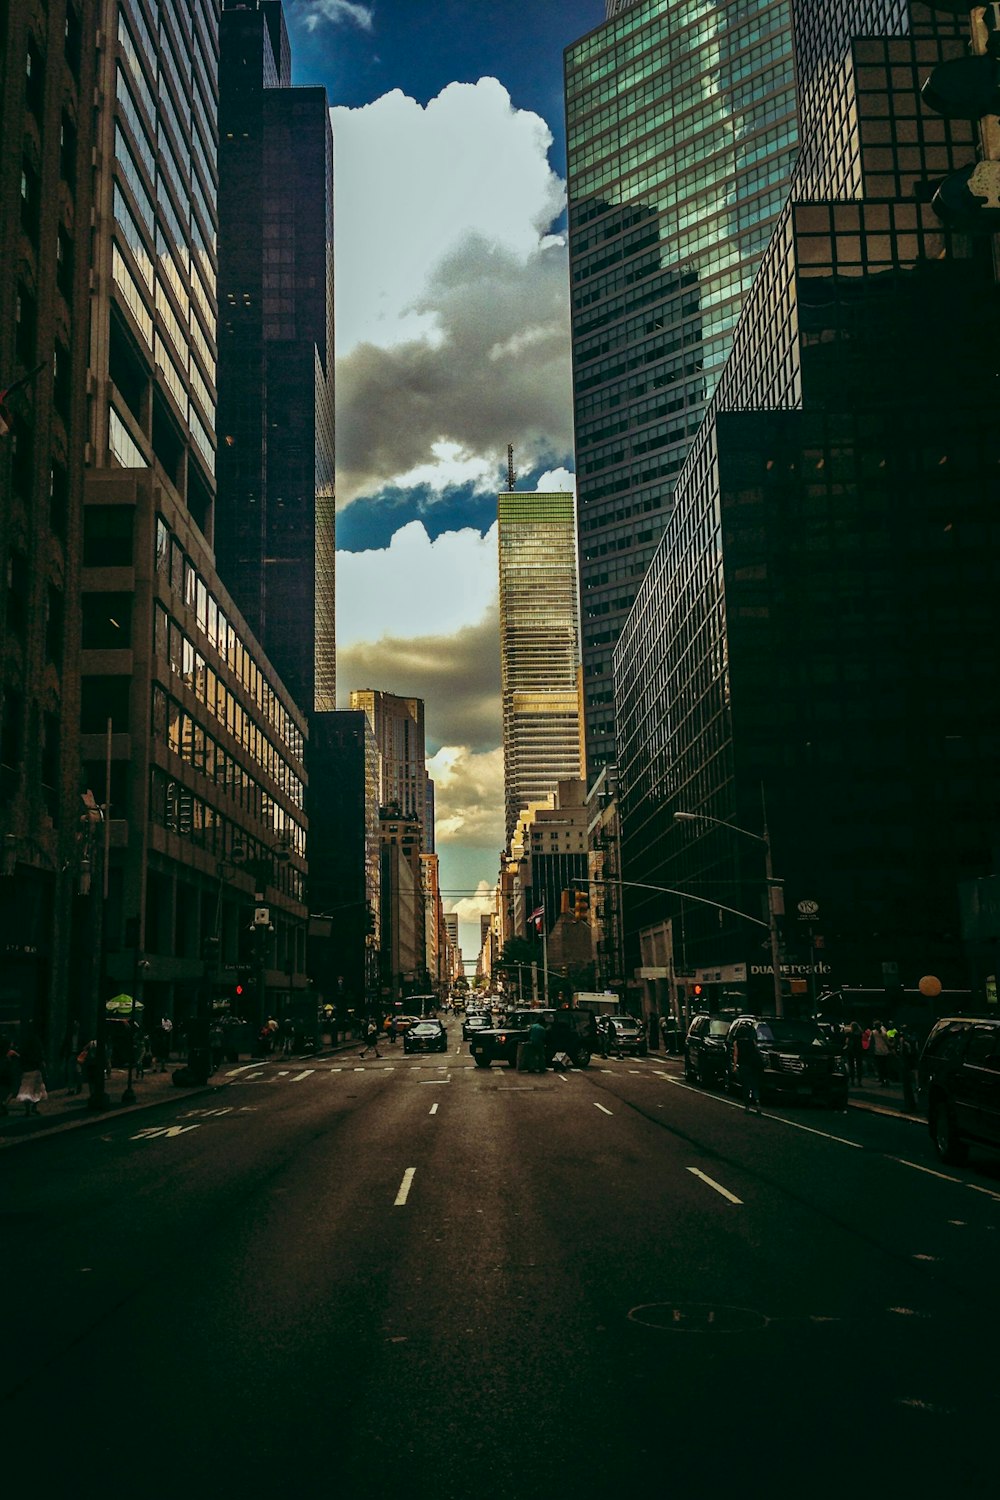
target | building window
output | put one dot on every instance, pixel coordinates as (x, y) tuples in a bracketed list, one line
[(106, 622), (107, 536)]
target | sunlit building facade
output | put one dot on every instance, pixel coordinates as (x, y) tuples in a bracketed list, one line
[(682, 130), (539, 647)]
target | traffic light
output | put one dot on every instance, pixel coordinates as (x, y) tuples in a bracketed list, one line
[(581, 905), (698, 993)]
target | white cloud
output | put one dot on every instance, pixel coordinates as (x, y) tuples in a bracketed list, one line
[(452, 294), (468, 796), (415, 182), (556, 480), (315, 12), (471, 908), (416, 587)]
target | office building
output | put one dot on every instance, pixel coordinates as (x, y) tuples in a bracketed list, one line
[(46, 120), (539, 647), (274, 521), (344, 890), (398, 726), (816, 637), (402, 941), (207, 780), (682, 130)]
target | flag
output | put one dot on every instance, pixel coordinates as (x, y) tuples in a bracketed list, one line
[(536, 917)]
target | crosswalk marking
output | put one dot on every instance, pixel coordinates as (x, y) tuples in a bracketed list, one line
[(299, 1076)]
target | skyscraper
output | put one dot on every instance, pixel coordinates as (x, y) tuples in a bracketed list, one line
[(398, 726), (46, 125), (817, 632), (274, 531), (682, 129), (539, 647), (207, 780)]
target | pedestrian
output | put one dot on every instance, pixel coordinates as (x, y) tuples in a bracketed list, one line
[(92, 1069), (162, 1040), (880, 1051), (287, 1036), (31, 1091), (537, 1039), (392, 1029), (749, 1070), (371, 1039), (855, 1054), (866, 1048)]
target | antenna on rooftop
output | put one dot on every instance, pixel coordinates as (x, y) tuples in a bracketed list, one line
[(511, 476)]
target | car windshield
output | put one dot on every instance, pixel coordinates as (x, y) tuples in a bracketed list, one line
[(791, 1033), (425, 1028)]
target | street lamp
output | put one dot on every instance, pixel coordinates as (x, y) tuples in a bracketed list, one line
[(772, 890)]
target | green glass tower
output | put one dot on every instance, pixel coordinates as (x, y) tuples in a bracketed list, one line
[(682, 130)]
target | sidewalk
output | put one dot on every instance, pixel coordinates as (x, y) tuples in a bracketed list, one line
[(65, 1111)]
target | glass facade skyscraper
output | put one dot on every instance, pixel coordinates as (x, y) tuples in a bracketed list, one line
[(539, 647), (682, 129), (275, 513), (818, 628)]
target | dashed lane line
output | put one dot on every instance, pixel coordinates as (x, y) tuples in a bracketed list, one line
[(711, 1182), (434, 1109), (602, 1109), (404, 1187)]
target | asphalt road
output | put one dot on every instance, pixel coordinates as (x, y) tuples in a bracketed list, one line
[(410, 1277)]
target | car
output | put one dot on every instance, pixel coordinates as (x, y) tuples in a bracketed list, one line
[(705, 1049), (566, 1030), (799, 1060), (629, 1035), (959, 1077), (403, 1023), (426, 1036), (474, 1021)]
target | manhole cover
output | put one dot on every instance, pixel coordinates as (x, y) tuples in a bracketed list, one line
[(698, 1317)]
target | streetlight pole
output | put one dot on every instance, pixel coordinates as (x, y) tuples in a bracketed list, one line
[(772, 891)]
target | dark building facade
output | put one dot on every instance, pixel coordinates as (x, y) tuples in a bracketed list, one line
[(47, 65), (274, 524), (816, 637), (682, 130), (344, 882)]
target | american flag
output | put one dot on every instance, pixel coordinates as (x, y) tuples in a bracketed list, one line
[(536, 917)]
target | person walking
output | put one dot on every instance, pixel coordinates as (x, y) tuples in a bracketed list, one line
[(392, 1030), (855, 1054), (536, 1042), (31, 1092), (287, 1036), (880, 1049), (749, 1070), (371, 1039), (162, 1038), (8, 1059)]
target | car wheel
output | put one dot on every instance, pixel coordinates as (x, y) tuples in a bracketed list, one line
[(482, 1062), (582, 1059), (947, 1141), (703, 1078), (512, 1062)]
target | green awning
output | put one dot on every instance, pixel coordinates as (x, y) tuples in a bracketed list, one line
[(121, 1005)]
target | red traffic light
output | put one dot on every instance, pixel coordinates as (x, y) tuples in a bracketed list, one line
[(696, 990), (239, 989)]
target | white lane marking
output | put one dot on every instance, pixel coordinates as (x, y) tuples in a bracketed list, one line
[(716, 1185), (153, 1131), (299, 1076), (635, 1070), (404, 1187), (422, 1082), (359, 1070), (778, 1119), (977, 1189), (563, 1077), (283, 1072), (244, 1069), (917, 1167), (605, 1070), (336, 1070), (256, 1075), (602, 1109), (921, 1256), (434, 1109)]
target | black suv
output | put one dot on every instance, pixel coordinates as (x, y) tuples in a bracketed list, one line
[(571, 1031), (705, 1049), (800, 1060), (959, 1073)]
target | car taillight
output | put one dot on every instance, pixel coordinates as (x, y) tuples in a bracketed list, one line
[(502, 1037)]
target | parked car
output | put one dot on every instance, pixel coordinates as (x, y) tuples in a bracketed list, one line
[(959, 1077), (705, 1049), (799, 1060), (426, 1036)]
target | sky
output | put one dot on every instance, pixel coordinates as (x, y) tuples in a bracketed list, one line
[(452, 341)]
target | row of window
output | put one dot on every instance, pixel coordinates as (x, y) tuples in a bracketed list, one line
[(174, 727), (172, 646), (186, 582), (176, 808)]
